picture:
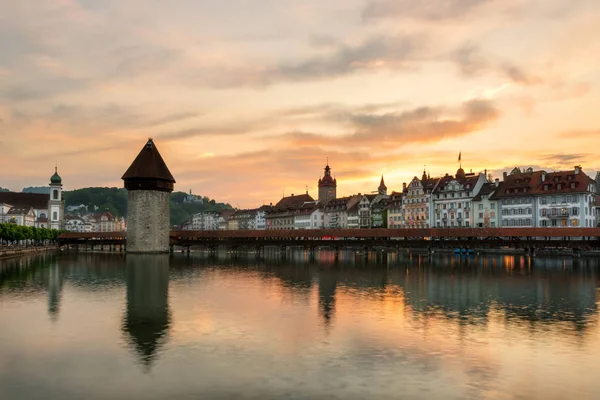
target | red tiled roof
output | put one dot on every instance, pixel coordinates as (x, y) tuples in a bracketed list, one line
[(294, 201), (569, 181), (36, 200)]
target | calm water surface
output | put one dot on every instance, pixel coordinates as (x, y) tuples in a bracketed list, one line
[(107, 326)]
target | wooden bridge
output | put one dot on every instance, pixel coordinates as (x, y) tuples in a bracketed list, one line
[(438, 238)]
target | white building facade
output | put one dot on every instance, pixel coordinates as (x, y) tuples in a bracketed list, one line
[(452, 199)]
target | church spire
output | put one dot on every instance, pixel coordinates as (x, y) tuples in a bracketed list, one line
[(382, 188)]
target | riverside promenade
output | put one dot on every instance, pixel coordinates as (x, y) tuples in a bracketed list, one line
[(8, 251)]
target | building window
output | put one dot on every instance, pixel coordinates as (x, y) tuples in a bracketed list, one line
[(55, 216), (575, 222), (546, 187), (575, 211), (481, 206), (493, 206), (55, 194), (572, 185), (480, 215)]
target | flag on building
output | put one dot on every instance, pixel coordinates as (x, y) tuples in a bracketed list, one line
[(459, 156)]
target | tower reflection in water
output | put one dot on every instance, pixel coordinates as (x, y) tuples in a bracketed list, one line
[(147, 319)]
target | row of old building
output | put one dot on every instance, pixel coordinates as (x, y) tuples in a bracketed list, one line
[(98, 222), (523, 198)]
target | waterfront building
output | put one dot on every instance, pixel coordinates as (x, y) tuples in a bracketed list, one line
[(222, 220), (76, 224), (281, 216), (251, 219), (485, 210), (515, 197), (379, 211), (20, 216), (327, 186), (394, 211), (48, 208), (597, 208), (364, 212), (417, 204), (540, 199), (342, 212), (566, 199), (452, 198), (309, 216)]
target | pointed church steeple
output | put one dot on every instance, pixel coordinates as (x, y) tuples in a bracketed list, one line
[(382, 188)]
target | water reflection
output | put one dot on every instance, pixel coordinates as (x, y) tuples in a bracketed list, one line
[(328, 281), (147, 319), (362, 326), (55, 284)]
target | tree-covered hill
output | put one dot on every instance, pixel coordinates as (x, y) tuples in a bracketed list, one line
[(115, 200), (4, 190)]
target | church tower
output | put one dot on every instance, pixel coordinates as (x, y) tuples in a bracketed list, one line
[(382, 189), (56, 204), (149, 184), (327, 186)]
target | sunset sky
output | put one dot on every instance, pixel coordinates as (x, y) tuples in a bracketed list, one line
[(246, 99)]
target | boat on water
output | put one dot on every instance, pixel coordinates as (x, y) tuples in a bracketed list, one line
[(469, 252)]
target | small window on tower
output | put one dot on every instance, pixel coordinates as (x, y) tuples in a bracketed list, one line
[(55, 194)]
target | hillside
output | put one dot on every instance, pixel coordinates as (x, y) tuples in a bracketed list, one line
[(115, 201)]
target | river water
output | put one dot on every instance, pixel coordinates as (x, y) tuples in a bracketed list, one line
[(106, 326)]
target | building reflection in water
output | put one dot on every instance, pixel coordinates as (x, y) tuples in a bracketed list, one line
[(328, 281), (55, 285), (147, 319)]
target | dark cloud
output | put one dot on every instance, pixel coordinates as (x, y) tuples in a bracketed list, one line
[(378, 52), (433, 10), (471, 61), (423, 124), (566, 159), (375, 53)]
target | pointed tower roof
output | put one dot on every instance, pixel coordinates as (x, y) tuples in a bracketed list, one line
[(382, 184), (149, 171)]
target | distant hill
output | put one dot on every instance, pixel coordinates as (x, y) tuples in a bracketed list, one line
[(115, 201), (4, 190), (37, 189)]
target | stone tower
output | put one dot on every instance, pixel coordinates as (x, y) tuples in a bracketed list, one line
[(149, 184), (56, 204), (327, 186)]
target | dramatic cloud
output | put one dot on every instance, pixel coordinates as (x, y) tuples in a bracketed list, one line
[(472, 62)]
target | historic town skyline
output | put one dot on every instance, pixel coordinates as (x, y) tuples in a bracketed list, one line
[(247, 100)]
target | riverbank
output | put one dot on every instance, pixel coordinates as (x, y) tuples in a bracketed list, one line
[(6, 252)]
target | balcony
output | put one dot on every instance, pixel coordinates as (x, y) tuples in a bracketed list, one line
[(559, 215)]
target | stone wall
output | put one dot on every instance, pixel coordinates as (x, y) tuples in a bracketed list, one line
[(148, 221)]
